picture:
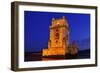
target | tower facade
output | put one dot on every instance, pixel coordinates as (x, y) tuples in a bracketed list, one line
[(59, 38)]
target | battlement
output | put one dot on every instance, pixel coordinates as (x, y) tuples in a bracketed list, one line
[(59, 22)]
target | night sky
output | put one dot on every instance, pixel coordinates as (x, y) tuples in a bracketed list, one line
[(36, 29)]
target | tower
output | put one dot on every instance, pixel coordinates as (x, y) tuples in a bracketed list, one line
[(59, 38)]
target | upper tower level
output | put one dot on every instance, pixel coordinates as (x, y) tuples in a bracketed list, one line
[(59, 22)]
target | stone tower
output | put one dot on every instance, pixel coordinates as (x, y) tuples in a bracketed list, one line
[(59, 38)]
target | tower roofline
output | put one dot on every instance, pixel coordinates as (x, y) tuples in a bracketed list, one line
[(59, 21)]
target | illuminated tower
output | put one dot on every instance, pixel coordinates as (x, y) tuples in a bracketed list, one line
[(59, 38)]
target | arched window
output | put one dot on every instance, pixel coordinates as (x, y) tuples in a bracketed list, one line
[(56, 33)]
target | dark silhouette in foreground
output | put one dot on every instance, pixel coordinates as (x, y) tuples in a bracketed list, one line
[(37, 56)]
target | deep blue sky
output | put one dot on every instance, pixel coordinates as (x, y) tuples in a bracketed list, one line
[(37, 24)]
